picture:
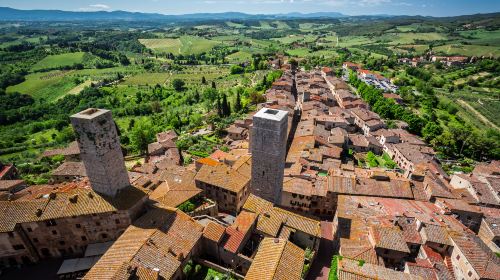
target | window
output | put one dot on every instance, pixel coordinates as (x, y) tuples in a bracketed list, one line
[(35, 240), (458, 257), (84, 238), (78, 226), (11, 234), (54, 232), (441, 245), (29, 229), (62, 243), (117, 221), (18, 247), (469, 273), (104, 235)]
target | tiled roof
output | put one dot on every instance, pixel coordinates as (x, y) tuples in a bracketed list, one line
[(178, 187), (6, 185), (160, 239), (359, 250), (389, 238), (350, 269), (233, 240), (482, 259), (70, 168), (214, 231), (271, 218), (244, 221), (277, 259), (64, 200), (436, 234), (72, 149), (223, 177)]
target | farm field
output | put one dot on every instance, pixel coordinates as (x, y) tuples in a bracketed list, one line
[(184, 45), (469, 50), (59, 60)]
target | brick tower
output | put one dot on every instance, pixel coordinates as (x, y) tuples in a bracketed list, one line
[(268, 148), (100, 151)]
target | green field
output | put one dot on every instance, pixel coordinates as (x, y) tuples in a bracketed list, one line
[(48, 85), (238, 57), (59, 60), (183, 45), (469, 50), (146, 79)]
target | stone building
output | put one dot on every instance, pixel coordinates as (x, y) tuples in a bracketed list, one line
[(268, 148), (61, 220), (101, 151)]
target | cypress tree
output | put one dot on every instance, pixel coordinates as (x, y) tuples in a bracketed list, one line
[(237, 105)]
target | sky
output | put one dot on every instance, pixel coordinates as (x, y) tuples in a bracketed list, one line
[(349, 7)]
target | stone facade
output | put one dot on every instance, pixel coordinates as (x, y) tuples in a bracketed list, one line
[(100, 150), (268, 147)]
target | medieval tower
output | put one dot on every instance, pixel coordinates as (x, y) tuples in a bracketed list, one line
[(268, 148), (100, 151)]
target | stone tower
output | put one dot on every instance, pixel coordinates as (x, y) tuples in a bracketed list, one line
[(268, 148), (100, 151)]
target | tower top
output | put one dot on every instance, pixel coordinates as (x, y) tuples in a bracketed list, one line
[(271, 114), (90, 113)]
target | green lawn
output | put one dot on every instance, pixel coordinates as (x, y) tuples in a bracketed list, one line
[(48, 85), (59, 60)]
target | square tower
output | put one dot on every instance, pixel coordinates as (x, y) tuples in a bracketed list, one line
[(268, 148), (100, 151)]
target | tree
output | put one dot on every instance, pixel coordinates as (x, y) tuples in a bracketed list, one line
[(237, 104), (178, 84), (142, 134), (213, 85), (431, 130), (236, 69), (226, 110), (203, 80)]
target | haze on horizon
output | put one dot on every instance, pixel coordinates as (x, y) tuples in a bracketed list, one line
[(349, 7)]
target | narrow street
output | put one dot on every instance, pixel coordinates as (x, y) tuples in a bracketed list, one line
[(321, 265)]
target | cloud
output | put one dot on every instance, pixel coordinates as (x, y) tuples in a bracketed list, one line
[(95, 7), (100, 6)]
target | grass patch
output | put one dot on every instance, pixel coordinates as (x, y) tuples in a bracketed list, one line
[(59, 60)]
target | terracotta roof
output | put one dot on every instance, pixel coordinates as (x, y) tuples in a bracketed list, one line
[(351, 270), (482, 259), (359, 250), (389, 238), (70, 168), (436, 234), (160, 239), (271, 218), (225, 177), (244, 221), (277, 259), (72, 149), (233, 240), (214, 231), (7, 185), (64, 200), (177, 188)]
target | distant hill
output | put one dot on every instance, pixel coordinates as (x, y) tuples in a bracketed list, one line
[(9, 14)]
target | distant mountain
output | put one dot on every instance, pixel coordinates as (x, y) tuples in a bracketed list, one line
[(9, 14)]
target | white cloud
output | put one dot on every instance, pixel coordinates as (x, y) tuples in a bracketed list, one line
[(100, 6), (95, 7)]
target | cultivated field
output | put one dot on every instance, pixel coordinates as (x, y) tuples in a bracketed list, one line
[(60, 60)]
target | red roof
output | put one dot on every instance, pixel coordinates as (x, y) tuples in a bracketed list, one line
[(218, 155), (233, 240), (5, 170), (327, 69)]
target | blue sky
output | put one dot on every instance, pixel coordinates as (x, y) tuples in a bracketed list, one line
[(350, 7)]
